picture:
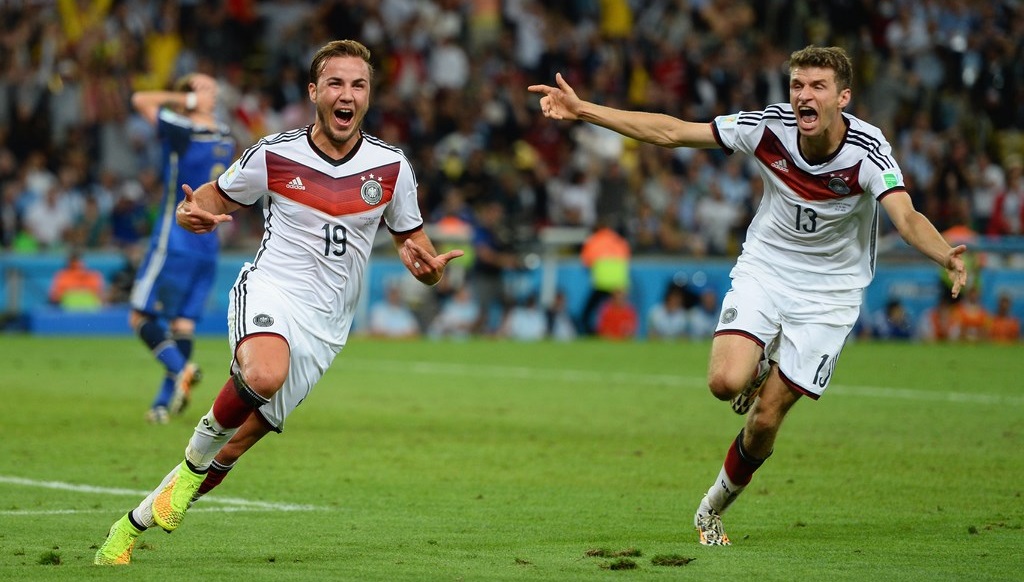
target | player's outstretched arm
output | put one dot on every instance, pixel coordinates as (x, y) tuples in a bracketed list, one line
[(203, 209), (561, 102), (920, 233), (419, 256)]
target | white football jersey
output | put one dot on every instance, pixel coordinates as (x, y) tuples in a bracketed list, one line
[(321, 215), (816, 227)]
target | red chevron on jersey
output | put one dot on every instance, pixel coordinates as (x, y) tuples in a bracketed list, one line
[(816, 187), (335, 196)]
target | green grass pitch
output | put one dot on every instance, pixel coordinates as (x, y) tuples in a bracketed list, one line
[(488, 460)]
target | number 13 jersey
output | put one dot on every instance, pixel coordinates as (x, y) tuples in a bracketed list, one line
[(816, 227)]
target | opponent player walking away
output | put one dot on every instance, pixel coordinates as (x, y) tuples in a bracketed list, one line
[(809, 251), (178, 271), (327, 186)]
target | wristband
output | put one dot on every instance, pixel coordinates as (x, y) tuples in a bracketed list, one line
[(191, 101)]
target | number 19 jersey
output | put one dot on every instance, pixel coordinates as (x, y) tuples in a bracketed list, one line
[(321, 216)]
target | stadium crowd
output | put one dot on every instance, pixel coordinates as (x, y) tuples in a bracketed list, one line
[(943, 78)]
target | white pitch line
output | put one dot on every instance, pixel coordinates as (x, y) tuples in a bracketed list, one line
[(911, 394), (24, 512), (591, 376), (238, 503)]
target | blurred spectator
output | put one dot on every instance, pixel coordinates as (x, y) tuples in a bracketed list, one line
[(642, 228), (1008, 208), (129, 218), (493, 255), (734, 183), (989, 181), (104, 189), (606, 254), (892, 322), (460, 153), (919, 148), (529, 23), (39, 179), (454, 217), (50, 218), (718, 218), (408, 71), (534, 191), (575, 203), (952, 190), (452, 228), (76, 287), (525, 321), (390, 317), (458, 316), (703, 315), (617, 318), (938, 323), (970, 317), (92, 228), (10, 221), (560, 325), (668, 320), (448, 64), (613, 205), (1005, 326), (122, 280), (657, 181)]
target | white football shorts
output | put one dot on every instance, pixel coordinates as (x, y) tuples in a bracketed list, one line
[(257, 307), (808, 334)]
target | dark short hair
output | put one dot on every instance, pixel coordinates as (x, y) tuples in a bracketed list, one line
[(827, 57), (182, 84), (338, 48)]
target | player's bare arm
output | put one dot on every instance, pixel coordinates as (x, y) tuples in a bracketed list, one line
[(921, 234), (203, 209), (561, 102), (201, 96), (419, 256)]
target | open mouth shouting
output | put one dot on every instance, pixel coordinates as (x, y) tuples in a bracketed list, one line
[(807, 117), (344, 116)]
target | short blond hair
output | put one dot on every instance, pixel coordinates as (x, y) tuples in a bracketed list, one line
[(828, 57), (338, 48)]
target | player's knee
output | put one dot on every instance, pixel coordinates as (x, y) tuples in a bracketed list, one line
[(263, 380), (182, 327), (150, 331), (725, 384)]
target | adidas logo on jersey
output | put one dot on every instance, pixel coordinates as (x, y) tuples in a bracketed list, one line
[(779, 165), (296, 184)]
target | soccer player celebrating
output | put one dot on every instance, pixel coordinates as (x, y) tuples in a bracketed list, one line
[(178, 271), (809, 251), (327, 186)]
